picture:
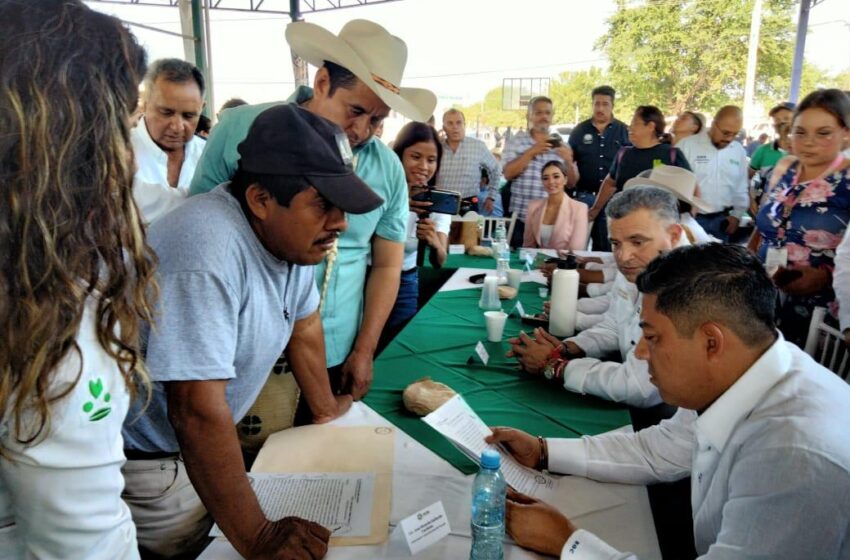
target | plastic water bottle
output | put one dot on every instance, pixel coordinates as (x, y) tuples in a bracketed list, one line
[(501, 248), (488, 509)]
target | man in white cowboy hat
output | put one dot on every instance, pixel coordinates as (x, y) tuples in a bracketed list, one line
[(358, 82), (683, 184), (643, 223)]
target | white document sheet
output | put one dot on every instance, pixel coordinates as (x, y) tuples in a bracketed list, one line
[(340, 502), (465, 429)]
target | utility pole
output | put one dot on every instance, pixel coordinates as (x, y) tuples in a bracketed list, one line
[(800, 49), (752, 62)]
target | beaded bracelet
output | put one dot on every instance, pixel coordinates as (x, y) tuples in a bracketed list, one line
[(543, 458)]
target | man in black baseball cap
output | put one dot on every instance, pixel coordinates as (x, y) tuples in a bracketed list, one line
[(291, 148), (237, 289)]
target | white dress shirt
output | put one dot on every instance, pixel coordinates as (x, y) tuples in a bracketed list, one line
[(841, 281), (618, 331), (154, 197), (721, 174), (769, 463)]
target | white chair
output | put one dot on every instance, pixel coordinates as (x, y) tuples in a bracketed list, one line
[(826, 345), (489, 230)]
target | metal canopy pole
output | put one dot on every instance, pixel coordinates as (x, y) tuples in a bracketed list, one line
[(299, 65), (799, 50), (201, 54)]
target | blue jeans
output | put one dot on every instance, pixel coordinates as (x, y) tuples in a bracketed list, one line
[(714, 224), (407, 301)]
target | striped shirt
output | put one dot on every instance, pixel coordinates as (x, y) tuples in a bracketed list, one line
[(528, 185), (461, 170)]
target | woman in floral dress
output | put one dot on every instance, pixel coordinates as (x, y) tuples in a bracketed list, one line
[(808, 209)]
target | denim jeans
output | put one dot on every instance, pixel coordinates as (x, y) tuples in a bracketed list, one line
[(407, 301), (715, 225)]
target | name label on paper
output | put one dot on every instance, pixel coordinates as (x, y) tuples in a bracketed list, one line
[(518, 310), (425, 527), (482, 353), (457, 249)]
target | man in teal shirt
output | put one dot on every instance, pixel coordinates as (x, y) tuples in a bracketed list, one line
[(355, 87)]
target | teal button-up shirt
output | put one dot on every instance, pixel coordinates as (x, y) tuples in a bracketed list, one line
[(377, 165)]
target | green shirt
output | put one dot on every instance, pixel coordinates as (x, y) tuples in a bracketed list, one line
[(377, 165), (766, 156)]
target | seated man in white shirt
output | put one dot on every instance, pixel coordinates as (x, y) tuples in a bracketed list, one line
[(164, 142), (643, 222), (761, 428)]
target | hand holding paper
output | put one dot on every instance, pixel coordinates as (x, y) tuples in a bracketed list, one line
[(465, 429)]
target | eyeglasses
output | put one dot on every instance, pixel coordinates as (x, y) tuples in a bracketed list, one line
[(727, 133), (819, 137)]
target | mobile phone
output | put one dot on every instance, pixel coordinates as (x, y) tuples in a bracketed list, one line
[(535, 321), (555, 141), (442, 201), (477, 278)]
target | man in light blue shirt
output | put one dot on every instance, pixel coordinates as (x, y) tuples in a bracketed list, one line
[(355, 87)]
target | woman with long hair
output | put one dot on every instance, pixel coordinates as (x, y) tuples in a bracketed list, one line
[(557, 221), (806, 211), (75, 279), (418, 147), (649, 149)]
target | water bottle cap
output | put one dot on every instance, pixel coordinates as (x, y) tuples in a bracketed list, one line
[(568, 263), (490, 459)]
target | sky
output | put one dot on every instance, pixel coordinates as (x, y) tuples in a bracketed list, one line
[(458, 48)]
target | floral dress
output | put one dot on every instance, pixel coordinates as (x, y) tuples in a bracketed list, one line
[(811, 231)]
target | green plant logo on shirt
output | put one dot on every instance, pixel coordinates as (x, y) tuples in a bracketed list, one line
[(96, 390)]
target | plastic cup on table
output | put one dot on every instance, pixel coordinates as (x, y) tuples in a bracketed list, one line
[(495, 321), (490, 294), (514, 278)]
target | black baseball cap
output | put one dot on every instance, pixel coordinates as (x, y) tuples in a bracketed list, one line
[(287, 140)]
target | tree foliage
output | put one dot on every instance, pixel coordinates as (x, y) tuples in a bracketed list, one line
[(679, 54)]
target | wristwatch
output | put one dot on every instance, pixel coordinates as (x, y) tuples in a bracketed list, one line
[(549, 369)]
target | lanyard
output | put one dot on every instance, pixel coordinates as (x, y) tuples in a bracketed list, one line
[(794, 192)]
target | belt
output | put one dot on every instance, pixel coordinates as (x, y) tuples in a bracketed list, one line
[(409, 270), (724, 212), (137, 455)]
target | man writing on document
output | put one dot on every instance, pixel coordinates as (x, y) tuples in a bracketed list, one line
[(761, 428), (643, 222)]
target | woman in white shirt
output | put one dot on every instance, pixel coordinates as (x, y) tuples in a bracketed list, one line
[(75, 274), (418, 147)]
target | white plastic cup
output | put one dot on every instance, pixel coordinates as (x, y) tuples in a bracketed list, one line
[(543, 292), (495, 321), (490, 294), (514, 278)]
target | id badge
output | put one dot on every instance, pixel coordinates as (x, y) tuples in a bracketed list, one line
[(777, 257)]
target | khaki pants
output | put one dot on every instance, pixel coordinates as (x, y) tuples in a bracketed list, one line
[(170, 519)]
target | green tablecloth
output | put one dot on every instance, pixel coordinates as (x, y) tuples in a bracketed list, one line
[(467, 261), (438, 342)]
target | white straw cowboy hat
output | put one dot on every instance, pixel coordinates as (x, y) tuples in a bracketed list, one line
[(370, 53), (678, 181)]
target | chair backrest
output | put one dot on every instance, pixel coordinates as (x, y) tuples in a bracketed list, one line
[(826, 345), (489, 231)]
